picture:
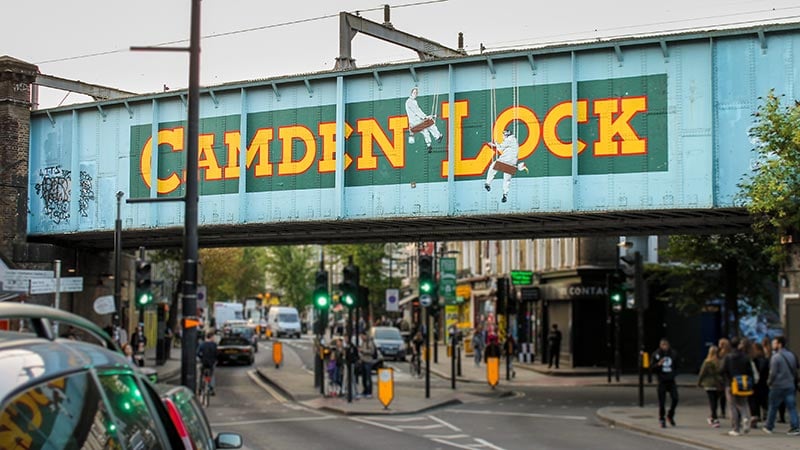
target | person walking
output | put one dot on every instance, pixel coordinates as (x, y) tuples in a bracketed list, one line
[(724, 350), (782, 381), (665, 365), (735, 367), (368, 353), (760, 398), (139, 342), (554, 346), (711, 381), (478, 344)]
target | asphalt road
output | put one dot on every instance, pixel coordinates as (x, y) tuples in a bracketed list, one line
[(534, 418)]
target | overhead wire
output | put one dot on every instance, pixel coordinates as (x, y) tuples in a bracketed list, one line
[(239, 31)]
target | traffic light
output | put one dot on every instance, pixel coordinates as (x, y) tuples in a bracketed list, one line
[(427, 283), (350, 286), (322, 298), (144, 282), (617, 290), (502, 295)]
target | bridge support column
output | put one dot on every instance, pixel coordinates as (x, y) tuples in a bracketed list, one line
[(16, 78)]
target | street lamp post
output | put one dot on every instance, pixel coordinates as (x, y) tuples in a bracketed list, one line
[(118, 262)]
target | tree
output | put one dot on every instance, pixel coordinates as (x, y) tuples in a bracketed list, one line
[(233, 273), (771, 192), (734, 267), (291, 271)]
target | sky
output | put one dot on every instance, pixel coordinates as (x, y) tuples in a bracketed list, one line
[(254, 39)]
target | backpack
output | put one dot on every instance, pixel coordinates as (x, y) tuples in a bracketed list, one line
[(742, 386)]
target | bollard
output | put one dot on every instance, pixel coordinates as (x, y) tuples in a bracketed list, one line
[(493, 371), (386, 386), (277, 353)]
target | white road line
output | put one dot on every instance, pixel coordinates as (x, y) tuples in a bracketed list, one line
[(285, 419), (453, 444), (419, 427), (375, 424), (399, 419), (486, 443), (452, 436), (502, 413), (448, 425)]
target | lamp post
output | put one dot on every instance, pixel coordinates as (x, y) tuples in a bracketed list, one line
[(118, 262)]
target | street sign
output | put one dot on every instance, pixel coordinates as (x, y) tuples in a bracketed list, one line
[(48, 285), (531, 294), (521, 277), (425, 300), (447, 280), (19, 280), (104, 304), (201, 296), (392, 300)]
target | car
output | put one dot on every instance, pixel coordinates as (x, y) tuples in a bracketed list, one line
[(235, 349), (229, 324), (60, 393), (389, 342), (191, 422), (247, 333)]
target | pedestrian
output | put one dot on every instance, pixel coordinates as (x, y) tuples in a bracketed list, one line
[(127, 350), (554, 346), (782, 381), (759, 401), (710, 380), (665, 365), (506, 162), (493, 349), (737, 371), (139, 342), (478, 344), (724, 350), (368, 353), (510, 347)]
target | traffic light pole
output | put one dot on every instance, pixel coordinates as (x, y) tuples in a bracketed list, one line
[(427, 354), (639, 295), (608, 326)]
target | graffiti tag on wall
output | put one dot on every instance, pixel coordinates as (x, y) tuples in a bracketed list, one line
[(54, 189)]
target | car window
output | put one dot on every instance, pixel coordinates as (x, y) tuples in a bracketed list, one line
[(195, 420), (287, 317), (233, 341), (63, 413), (134, 420), (388, 334)]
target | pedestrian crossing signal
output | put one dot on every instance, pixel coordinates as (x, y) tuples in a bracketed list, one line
[(322, 300), (144, 283)]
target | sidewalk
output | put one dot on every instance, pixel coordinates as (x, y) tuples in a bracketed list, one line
[(167, 371), (535, 374), (692, 429), (297, 383)]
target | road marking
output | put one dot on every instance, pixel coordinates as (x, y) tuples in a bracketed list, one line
[(452, 436), (448, 425), (375, 424), (502, 413), (399, 419), (285, 419), (266, 387), (420, 427), (486, 443)]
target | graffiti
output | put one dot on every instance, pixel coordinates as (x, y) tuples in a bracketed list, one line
[(87, 193)]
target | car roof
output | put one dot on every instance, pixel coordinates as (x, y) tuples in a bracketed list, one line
[(28, 359)]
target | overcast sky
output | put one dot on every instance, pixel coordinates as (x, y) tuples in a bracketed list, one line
[(57, 35)]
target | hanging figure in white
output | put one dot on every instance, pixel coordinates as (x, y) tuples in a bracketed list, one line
[(419, 122), (506, 162)]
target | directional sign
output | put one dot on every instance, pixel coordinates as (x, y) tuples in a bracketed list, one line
[(425, 300), (522, 277), (19, 280), (447, 280), (392, 300), (48, 285)]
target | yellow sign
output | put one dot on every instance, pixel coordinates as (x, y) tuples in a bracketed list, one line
[(645, 360), (463, 290), (277, 353), (493, 371), (386, 386)]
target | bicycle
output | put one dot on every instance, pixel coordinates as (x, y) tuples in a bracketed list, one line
[(205, 387), (414, 365)]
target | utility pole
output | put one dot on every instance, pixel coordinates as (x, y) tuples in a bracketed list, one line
[(640, 295), (118, 263)]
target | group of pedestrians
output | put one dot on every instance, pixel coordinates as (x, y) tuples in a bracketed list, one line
[(362, 358), (753, 382)]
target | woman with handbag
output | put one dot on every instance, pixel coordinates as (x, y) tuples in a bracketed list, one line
[(737, 371)]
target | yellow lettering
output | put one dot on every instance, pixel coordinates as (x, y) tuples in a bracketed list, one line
[(259, 146), (615, 134), (327, 131), (528, 117), (370, 131), (207, 159), (287, 135), (464, 166), (172, 137), (556, 114)]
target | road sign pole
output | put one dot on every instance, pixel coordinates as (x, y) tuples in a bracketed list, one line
[(57, 270), (117, 318), (427, 354)]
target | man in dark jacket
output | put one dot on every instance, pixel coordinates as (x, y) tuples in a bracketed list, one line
[(665, 365), (783, 368), (737, 363)]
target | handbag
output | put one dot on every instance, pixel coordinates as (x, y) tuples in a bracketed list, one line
[(742, 386)]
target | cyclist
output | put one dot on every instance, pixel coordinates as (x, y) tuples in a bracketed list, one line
[(207, 352), (416, 348)]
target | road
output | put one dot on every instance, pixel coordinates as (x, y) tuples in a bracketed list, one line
[(533, 418)]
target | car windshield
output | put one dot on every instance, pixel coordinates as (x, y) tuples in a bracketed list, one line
[(390, 334), (242, 331), (287, 317), (233, 341)]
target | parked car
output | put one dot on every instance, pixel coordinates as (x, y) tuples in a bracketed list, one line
[(235, 349), (61, 393), (191, 422), (389, 342), (248, 333)]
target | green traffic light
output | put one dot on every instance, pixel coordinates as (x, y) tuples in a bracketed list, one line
[(348, 300), (144, 299), (322, 301), (616, 297), (426, 287)]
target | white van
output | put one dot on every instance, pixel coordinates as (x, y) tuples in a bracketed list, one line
[(284, 321)]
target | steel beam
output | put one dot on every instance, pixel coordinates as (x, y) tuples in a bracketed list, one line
[(95, 91)]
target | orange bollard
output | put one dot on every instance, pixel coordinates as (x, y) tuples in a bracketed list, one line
[(386, 386), (277, 353), (493, 371)]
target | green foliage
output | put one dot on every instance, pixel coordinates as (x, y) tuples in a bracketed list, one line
[(233, 273), (370, 260), (291, 271), (771, 192)]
